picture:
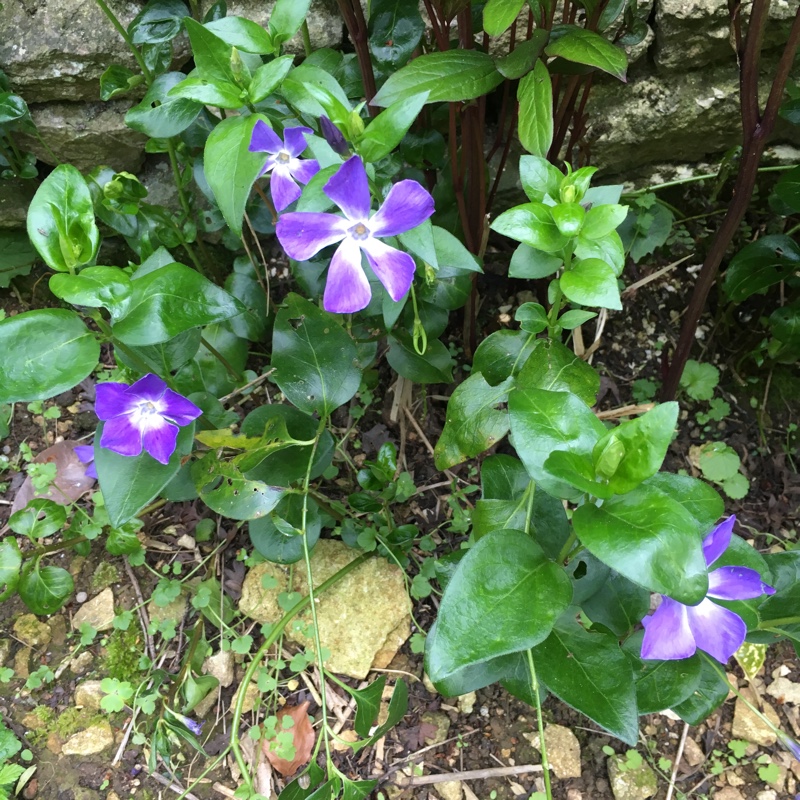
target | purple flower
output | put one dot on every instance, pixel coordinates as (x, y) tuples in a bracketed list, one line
[(790, 744), (85, 453), (675, 630), (283, 161), (195, 727), (304, 234), (145, 416), (333, 136)]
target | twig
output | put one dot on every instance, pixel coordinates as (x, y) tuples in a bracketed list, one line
[(218, 787), (655, 275), (678, 757), (144, 618), (127, 735), (176, 787), (469, 775), (242, 389), (625, 411)]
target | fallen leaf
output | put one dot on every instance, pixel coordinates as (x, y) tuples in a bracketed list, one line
[(303, 738)]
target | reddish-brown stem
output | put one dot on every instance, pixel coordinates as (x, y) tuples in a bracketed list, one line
[(436, 26), (578, 120), (563, 115), (356, 25)]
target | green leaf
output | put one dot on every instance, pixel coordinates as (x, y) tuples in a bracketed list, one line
[(499, 14), (450, 252), (502, 353), (556, 368), (582, 46), (542, 422), (61, 222), (527, 262), (644, 442), (212, 56), (230, 168), (449, 76), (539, 178), (243, 34), (535, 96), (384, 132), (278, 536), (699, 380), (398, 706), (368, 705), (158, 22), (313, 91), (473, 421), (591, 282), (504, 596), (569, 217), (222, 94), (286, 18), (589, 672), (698, 498), (129, 483), (434, 366), (570, 320), (395, 29), (533, 224), (602, 220), (608, 249), (784, 324), (577, 471), (45, 589), (759, 265), (315, 361), (16, 256), (718, 461), (532, 317), (224, 489), (169, 301), (523, 57), (648, 538), (268, 77), (160, 116), (709, 693), (43, 353), (38, 519), (93, 287), (618, 605), (10, 562), (9, 744)]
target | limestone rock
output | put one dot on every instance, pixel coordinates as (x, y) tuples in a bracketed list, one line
[(172, 611), (693, 753), (748, 726), (782, 689), (31, 632), (466, 702), (89, 694), (81, 663), (359, 617), (251, 696), (728, 793), (98, 612), (22, 662), (440, 723), (15, 196), (220, 665), (450, 790), (5, 651), (58, 630), (631, 784), (93, 740), (86, 135), (563, 751)]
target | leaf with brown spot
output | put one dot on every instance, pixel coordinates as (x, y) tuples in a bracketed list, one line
[(303, 737)]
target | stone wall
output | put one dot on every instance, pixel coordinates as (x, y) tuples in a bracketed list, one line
[(680, 101)]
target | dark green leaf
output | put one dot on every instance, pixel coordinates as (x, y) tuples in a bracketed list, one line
[(529, 263), (278, 536), (164, 358), (587, 47), (434, 366), (16, 256), (10, 562), (709, 693), (532, 317), (268, 77), (697, 497), (160, 116), (384, 132), (368, 705), (45, 589), (502, 353), (43, 353), (159, 21), (212, 56), (553, 366), (522, 58), (398, 706), (499, 14), (395, 30), (450, 252), (759, 265), (619, 605), (39, 518), (222, 94), (93, 287), (243, 284), (785, 325), (117, 80), (788, 188), (535, 96)]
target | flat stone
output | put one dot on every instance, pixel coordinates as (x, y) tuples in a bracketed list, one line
[(173, 611), (782, 689), (359, 617), (5, 651), (251, 696), (450, 790), (220, 665), (32, 632), (97, 612), (22, 662), (728, 793), (749, 726), (206, 704), (441, 724), (563, 751), (81, 663), (466, 702), (58, 629), (93, 740), (693, 753), (631, 784), (88, 694)]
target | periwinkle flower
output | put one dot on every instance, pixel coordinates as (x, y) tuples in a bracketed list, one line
[(790, 744), (333, 136), (85, 453), (283, 162), (676, 630), (303, 234), (145, 416), (195, 727)]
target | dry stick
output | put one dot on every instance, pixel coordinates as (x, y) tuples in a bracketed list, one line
[(176, 787), (625, 411), (655, 275), (144, 618), (470, 775), (756, 134), (678, 758)]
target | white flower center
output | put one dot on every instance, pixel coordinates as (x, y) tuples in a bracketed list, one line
[(147, 415), (359, 232), (283, 157)]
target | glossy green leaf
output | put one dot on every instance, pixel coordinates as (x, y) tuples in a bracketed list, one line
[(315, 361), (553, 366), (434, 366), (230, 168), (160, 116), (398, 705), (474, 423), (539, 178), (10, 562), (644, 442), (224, 489), (532, 317), (503, 477), (166, 357), (118, 80), (395, 29), (278, 537), (129, 483), (61, 222), (602, 220), (499, 14), (94, 287), (313, 91), (504, 597), (451, 253), (43, 353), (286, 18), (368, 705), (759, 265), (532, 224), (243, 284), (709, 693), (535, 97), (650, 539), (221, 95), (570, 320), (169, 301), (618, 605), (785, 325), (529, 263), (212, 56), (39, 518), (587, 47), (523, 57), (788, 188), (498, 515), (702, 501), (449, 76), (607, 248), (268, 77), (45, 589), (384, 132), (569, 217), (502, 353), (243, 34), (589, 672), (16, 256), (542, 422), (158, 22), (578, 471), (591, 282)]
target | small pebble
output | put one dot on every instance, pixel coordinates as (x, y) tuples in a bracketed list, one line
[(81, 597)]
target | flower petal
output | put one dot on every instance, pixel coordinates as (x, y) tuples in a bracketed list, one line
[(406, 206), (303, 170), (178, 409), (85, 453), (347, 289), (333, 136), (160, 442), (282, 187), (150, 388), (667, 636), (121, 436), (394, 268), (112, 400), (349, 189), (269, 165), (264, 139), (716, 630), (716, 543), (294, 140), (303, 234), (736, 583)]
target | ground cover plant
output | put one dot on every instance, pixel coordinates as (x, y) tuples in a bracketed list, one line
[(368, 170)]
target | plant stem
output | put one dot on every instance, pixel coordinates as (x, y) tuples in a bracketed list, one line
[(237, 376), (565, 550), (54, 548), (148, 76), (774, 623), (694, 178), (540, 722)]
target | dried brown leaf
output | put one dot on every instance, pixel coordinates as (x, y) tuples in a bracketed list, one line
[(303, 740)]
